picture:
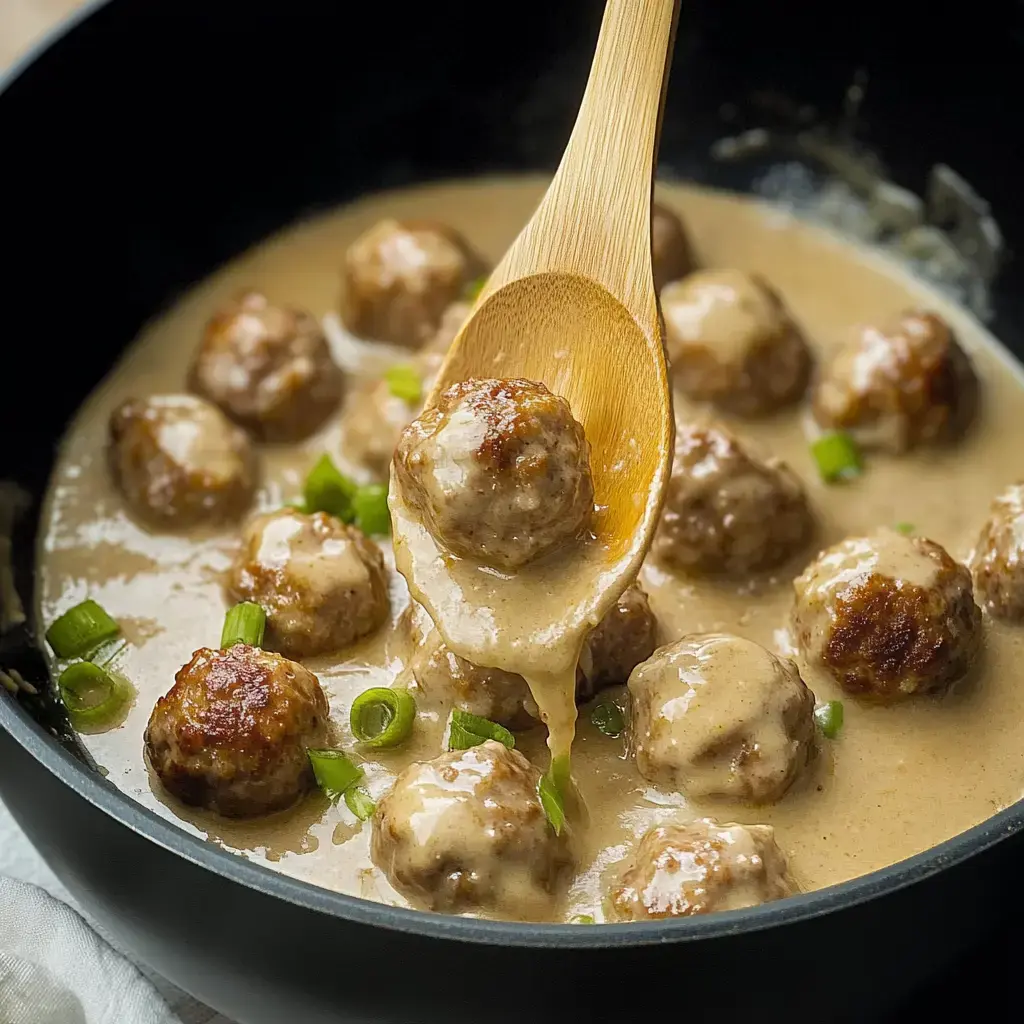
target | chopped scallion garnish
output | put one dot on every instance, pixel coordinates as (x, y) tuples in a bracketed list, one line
[(582, 919), (837, 457), (905, 528), (359, 802), (370, 505), (243, 624), (94, 697), (328, 490), (466, 730), (383, 716), (474, 288), (550, 792), (80, 630), (334, 772), (404, 382), (607, 718), (829, 717)]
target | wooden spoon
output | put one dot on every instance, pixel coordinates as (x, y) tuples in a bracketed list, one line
[(573, 304)]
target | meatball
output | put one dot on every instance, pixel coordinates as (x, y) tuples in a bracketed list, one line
[(321, 583), (731, 342), (267, 367), (682, 870), (179, 461), (999, 556), (887, 616), (895, 388), (721, 716), (399, 278), (467, 832), (671, 254), (231, 733), (727, 510), (376, 418), (498, 470)]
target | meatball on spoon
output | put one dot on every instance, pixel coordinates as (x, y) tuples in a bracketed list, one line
[(570, 310)]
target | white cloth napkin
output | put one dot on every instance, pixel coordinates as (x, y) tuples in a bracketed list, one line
[(57, 969)]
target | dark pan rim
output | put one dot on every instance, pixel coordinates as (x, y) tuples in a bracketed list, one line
[(105, 797)]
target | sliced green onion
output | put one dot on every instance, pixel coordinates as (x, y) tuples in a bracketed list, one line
[(607, 718), (582, 919), (383, 716), (334, 772), (328, 490), (837, 457), (466, 730), (108, 651), (370, 505), (80, 630), (404, 382), (359, 802), (829, 717), (905, 528), (243, 624), (474, 288), (95, 698), (550, 793)]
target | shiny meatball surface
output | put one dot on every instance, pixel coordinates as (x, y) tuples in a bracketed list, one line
[(179, 461), (731, 342), (671, 254), (683, 870), (720, 716), (498, 470), (897, 387), (998, 560), (727, 510), (268, 368), (232, 732), (322, 583), (467, 832), (399, 278), (887, 616)]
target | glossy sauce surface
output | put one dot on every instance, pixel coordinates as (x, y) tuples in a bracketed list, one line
[(896, 781)]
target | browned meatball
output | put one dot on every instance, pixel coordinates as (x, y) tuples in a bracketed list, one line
[(887, 616), (467, 832), (720, 716), (179, 461), (321, 583), (727, 510), (399, 278), (671, 253), (907, 384), (999, 556), (498, 470), (682, 870), (731, 341), (267, 367), (231, 733)]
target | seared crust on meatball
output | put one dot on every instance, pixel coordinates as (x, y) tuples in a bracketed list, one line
[(671, 253), (720, 716), (727, 510), (887, 616), (683, 870), (498, 470), (731, 342), (400, 276), (268, 368), (999, 556), (901, 386), (626, 636), (179, 461), (322, 583), (467, 832), (231, 733)]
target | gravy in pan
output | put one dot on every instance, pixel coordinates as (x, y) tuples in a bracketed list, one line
[(897, 780)]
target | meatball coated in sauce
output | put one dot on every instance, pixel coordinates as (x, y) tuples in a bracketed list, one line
[(467, 832), (727, 510), (999, 557), (400, 276), (899, 387), (179, 461), (322, 583), (683, 870), (887, 616), (730, 341), (498, 470), (231, 733), (720, 716), (267, 367), (671, 254)]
